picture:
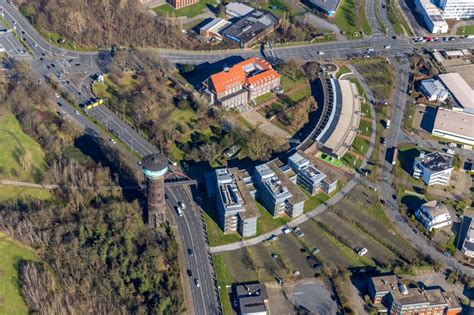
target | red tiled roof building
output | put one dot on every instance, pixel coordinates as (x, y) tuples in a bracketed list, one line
[(242, 83)]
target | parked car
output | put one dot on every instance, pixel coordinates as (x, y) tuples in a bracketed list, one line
[(197, 283), (182, 205), (190, 252), (286, 230), (316, 251), (361, 252)]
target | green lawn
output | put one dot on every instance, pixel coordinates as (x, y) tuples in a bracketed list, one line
[(189, 11), (300, 94), (365, 128), (263, 98), (20, 156), (245, 122), (397, 19), (363, 18), (314, 201), (360, 89), (13, 253), (348, 19), (223, 278), (55, 38), (465, 30), (351, 161), (342, 70), (288, 83), (365, 108), (216, 234), (267, 223), (360, 145), (329, 159), (15, 192)]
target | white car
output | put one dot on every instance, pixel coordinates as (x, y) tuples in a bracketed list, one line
[(286, 230), (57, 95), (320, 52), (197, 283), (361, 252), (387, 46), (182, 205), (113, 141), (370, 49), (77, 112)]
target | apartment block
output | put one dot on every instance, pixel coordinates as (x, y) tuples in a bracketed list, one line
[(241, 83), (456, 9), (276, 192), (432, 16), (433, 168), (235, 207)]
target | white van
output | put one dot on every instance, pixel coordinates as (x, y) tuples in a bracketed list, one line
[(180, 211)]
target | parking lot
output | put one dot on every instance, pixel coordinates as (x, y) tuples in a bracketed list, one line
[(12, 46)]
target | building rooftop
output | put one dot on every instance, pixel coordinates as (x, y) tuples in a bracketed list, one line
[(248, 72), (215, 25), (455, 122), (459, 89), (252, 297), (327, 5), (251, 210), (297, 195), (250, 26), (230, 195), (239, 8), (313, 173), (435, 208), (433, 13), (155, 162), (384, 283), (433, 87), (435, 162), (299, 160)]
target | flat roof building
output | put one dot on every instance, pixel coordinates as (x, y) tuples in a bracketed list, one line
[(467, 234), (236, 9), (235, 206), (252, 298), (432, 16), (461, 92), (308, 176), (434, 168), (328, 7), (454, 125), (433, 90), (212, 29), (251, 27), (456, 9), (276, 192), (241, 83)]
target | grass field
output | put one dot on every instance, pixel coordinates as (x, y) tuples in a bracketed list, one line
[(223, 279), (365, 108), (20, 157), (189, 11), (342, 70), (314, 201), (397, 19), (378, 74), (360, 145), (465, 30), (350, 18), (16, 192), (351, 161), (12, 253), (266, 222), (365, 128)]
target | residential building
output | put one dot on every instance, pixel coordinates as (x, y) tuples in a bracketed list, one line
[(236, 9), (212, 29), (178, 4), (433, 90), (432, 16), (461, 92), (456, 9), (252, 27), (454, 125), (277, 193), (395, 298), (235, 207), (241, 83), (434, 168), (433, 215), (466, 233), (308, 176), (328, 7), (252, 298)]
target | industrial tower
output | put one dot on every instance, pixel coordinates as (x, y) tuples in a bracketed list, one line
[(155, 167)]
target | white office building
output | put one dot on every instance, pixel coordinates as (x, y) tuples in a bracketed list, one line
[(456, 9), (433, 168), (433, 215), (432, 16)]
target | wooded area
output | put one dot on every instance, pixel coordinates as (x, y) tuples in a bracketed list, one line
[(104, 23), (97, 254)]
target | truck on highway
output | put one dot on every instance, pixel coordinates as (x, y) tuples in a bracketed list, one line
[(394, 156)]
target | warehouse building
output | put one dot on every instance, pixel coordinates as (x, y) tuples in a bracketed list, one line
[(454, 125), (461, 92), (213, 28), (238, 10)]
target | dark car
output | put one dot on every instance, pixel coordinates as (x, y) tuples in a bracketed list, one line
[(190, 252), (190, 274), (77, 64), (53, 65)]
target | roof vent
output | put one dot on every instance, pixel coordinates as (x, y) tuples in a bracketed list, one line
[(226, 69)]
